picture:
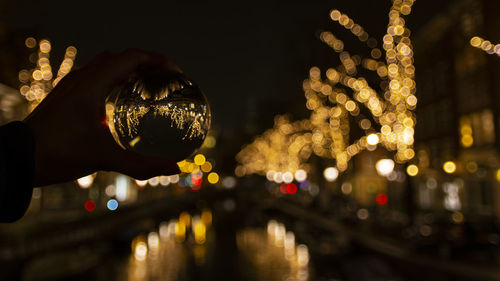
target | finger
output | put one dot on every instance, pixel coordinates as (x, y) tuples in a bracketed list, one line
[(131, 60), (165, 63), (63, 87), (100, 59), (142, 167)]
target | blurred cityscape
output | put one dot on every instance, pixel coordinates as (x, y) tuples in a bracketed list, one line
[(388, 169)]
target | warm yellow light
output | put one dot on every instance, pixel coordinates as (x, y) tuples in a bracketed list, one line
[(141, 183), (350, 105), (467, 140), (174, 179), (185, 218), (206, 217), (206, 167), (331, 173), (412, 170), (476, 41), (37, 75), (199, 231), (45, 46), (409, 153), (213, 178), (289, 145), (384, 166), (485, 45), (180, 231), (140, 251), (466, 129), (164, 180), (30, 42), (181, 163), (449, 167), (498, 175), (411, 100), (240, 171), (86, 182), (287, 177), (154, 181), (270, 175), (335, 15), (189, 167), (71, 51), (199, 159), (372, 139), (300, 175)]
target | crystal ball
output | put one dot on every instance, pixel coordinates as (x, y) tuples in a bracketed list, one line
[(160, 114)]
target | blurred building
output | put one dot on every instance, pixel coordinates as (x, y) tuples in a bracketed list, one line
[(12, 105), (457, 114)]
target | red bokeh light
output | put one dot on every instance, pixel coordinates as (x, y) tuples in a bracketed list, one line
[(89, 205), (283, 188), (196, 180), (291, 188), (381, 199)]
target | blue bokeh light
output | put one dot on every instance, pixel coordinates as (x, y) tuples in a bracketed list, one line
[(112, 204)]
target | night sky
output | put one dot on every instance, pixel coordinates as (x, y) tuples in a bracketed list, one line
[(257, 51)]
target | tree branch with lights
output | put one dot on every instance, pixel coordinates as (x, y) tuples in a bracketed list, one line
[(341, 95)]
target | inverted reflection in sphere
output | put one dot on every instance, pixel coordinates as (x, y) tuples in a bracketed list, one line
[(161, 114)]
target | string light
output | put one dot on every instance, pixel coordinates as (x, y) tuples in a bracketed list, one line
[(36, 83), (485, 45), (287, 147)]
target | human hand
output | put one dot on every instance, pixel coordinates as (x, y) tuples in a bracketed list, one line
[(71, 135)]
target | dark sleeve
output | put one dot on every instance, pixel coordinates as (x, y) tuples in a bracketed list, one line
[(17, 150)]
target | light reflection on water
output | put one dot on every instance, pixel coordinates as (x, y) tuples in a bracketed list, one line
[(167, 254), (270, 254), (166, 262), (274, 255)]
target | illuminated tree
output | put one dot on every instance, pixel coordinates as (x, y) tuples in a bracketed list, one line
[(485, 45), (37, 82), (341, 97)]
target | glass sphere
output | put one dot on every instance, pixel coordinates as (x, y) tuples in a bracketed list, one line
[(158, 113)]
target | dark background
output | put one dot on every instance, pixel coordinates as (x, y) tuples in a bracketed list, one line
[(246, 56)]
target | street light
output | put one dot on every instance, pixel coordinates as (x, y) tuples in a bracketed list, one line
[(449, 167), (384, 167), (372, 139), (412, 170), (331, 173)]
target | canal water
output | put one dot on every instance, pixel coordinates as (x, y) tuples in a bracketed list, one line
[(260, 254), (215, 244)]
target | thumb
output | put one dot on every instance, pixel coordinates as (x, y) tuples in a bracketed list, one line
[(118, 67), (142, 167)]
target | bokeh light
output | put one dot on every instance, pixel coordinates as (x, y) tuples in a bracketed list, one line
[(331, 174), (213, 178), (449, 167), (381, 199), (412, 170), (199, 159), (384, 166), (90, 205), (112, 204), (300, 175), (291, 188)]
